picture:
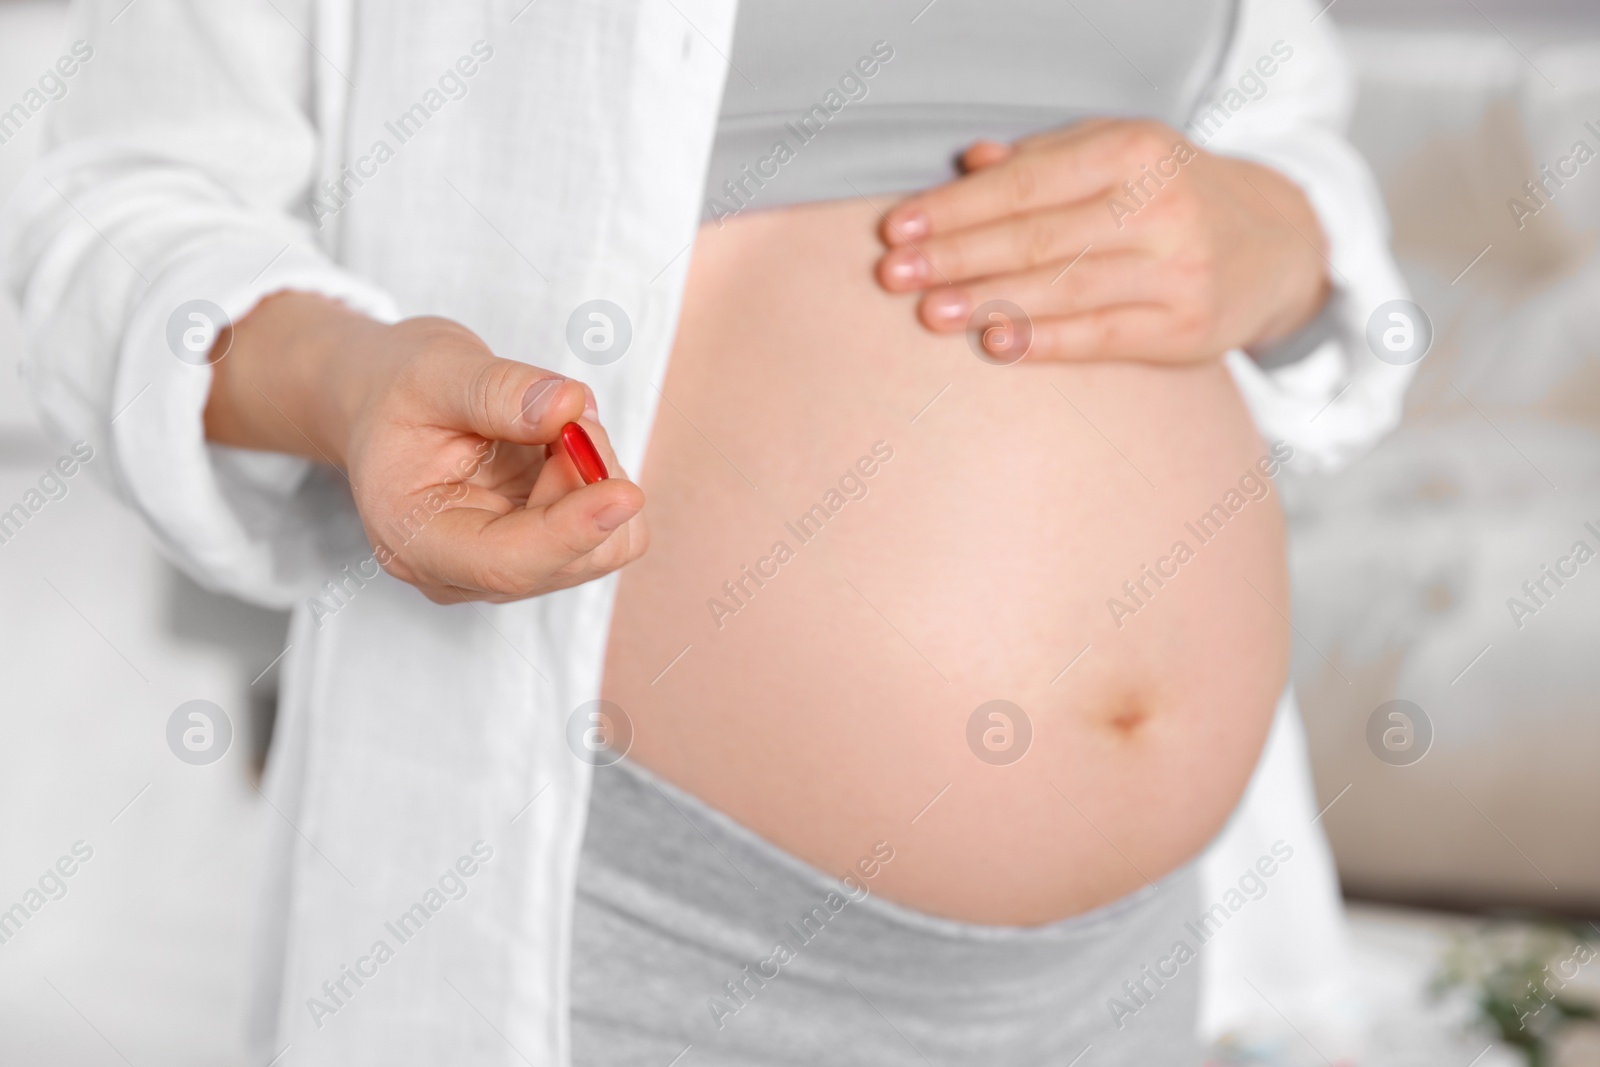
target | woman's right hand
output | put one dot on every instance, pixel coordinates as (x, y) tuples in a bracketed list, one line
[(453, 454)]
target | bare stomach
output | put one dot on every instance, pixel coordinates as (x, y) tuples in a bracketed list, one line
[(862, 534)]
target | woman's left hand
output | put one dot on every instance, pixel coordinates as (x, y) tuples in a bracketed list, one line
[(1119, 239)]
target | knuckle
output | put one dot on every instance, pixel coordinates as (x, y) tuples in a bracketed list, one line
[(568, 548), (1155, 135), (1183, 208), (1045, 345), (1104, 334), (1145, 141), (490, 386), (433, 331), (1193, 276), (609, 554), (626, 544), (1194, 315), (1022, 182), (1038, 241), (1131, 144), (949, 257), (497, 578), (450, 595), (639, 540), (1192, 323)]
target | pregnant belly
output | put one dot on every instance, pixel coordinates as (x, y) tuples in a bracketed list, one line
[(863, 535)]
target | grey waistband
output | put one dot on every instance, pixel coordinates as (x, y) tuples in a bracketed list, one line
[(691, 932)]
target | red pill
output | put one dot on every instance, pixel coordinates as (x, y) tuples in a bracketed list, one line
[(584, 455)]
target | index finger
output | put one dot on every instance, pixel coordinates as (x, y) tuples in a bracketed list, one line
[(1051, 169)]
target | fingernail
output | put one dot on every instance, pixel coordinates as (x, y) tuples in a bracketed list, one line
[(905, 268), (610, 517), (946, 307), (590, 409), (536, 401), (912, 225)]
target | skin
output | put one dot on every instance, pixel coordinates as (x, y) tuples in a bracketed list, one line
[(974, 565), (988, 546), (423, 408), (1225, 254)]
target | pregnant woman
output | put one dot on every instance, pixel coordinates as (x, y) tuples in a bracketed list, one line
[(953, 615)]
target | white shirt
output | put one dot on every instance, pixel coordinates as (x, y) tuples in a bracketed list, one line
[(183, 159)]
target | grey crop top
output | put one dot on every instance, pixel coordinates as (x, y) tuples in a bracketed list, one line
[(827, 99)]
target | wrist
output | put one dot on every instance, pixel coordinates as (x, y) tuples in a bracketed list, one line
[(293, 378), (337, 379), (1300, 308), (1291, 267), (1285, 351)]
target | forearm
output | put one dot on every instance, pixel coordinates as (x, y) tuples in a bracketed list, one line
[(287, 377)]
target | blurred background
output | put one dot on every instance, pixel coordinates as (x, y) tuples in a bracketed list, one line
[(1465, 863)]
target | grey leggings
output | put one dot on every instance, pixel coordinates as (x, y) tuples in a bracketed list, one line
[(697, 943)]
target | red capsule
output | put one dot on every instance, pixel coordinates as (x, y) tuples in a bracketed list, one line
[(584, 455)]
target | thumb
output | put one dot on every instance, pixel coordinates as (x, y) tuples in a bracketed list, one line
[(504, 400)]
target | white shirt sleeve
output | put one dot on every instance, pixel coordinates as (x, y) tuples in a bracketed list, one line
[(178, 167), (1335, 403)]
